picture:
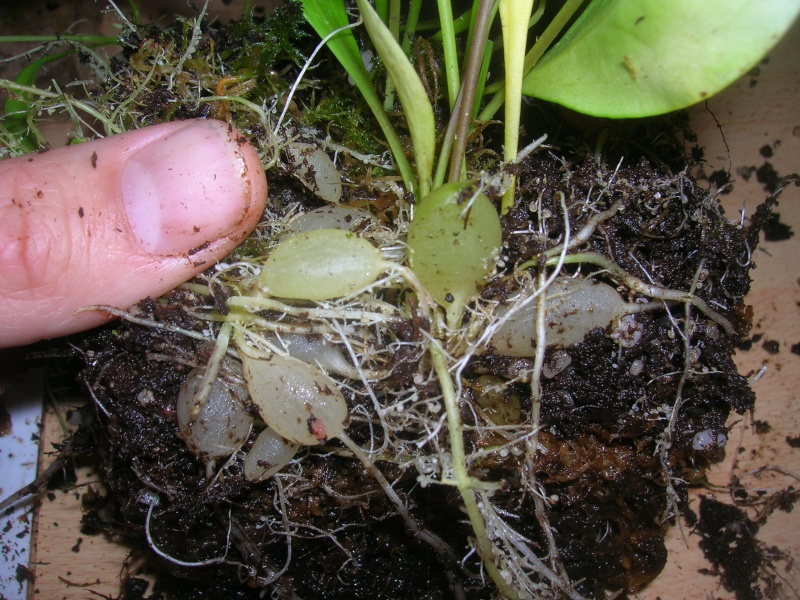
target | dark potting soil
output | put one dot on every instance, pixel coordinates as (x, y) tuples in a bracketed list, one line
[(612, 475)]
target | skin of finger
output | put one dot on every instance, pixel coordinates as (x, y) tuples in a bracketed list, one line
[(65, 242)]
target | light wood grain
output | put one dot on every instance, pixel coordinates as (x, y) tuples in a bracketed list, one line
[(751, 117)]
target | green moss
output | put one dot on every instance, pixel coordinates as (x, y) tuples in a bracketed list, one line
[(346, 117), (263, 46)]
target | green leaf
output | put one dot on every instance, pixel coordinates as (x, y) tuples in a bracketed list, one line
[(514, 15), (412, 94), (326, 16), (453, 243), (636, 58), (17, 110)]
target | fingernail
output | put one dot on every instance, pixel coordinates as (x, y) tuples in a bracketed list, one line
[(185, 188)]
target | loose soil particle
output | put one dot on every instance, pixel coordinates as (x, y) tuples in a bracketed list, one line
[(775, 231), (729, 543), (771, 346)]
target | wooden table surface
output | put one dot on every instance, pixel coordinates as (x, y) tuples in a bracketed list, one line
[(758, 111)]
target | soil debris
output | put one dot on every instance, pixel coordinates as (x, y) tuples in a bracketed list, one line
[(729, 543), (768, 177), (771, 346), (775, 231), (761, 427)]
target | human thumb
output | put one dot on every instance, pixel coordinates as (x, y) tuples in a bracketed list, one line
[(119, 219)]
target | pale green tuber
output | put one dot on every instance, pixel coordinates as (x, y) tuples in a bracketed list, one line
[(453, 240), (574, 308), (321, 265), (297, 400)]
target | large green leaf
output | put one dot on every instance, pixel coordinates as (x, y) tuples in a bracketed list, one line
[(636, 58)]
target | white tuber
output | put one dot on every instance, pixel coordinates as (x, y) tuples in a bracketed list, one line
[(331, 217), (574, 308), (268, 455), (706, 440), (316, 350), (316, 170), (222, 424)]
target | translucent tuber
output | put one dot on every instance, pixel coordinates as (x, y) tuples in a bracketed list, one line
[(331, 217), (222, 425), (295, 399), (574, 307), (316, 170), (268, 455)]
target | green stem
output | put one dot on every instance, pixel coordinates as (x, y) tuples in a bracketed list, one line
[(447, 146), (492, 106), (136, 17), (394, 19), (460, 474), (535, 53), (394, 27), (483, 21), (514, 41), (551, 32), (411, 24), (382, 8), (212, 370), (78, 38), (450, 53)]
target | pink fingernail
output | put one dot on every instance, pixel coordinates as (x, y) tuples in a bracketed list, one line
[(186, 189)]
